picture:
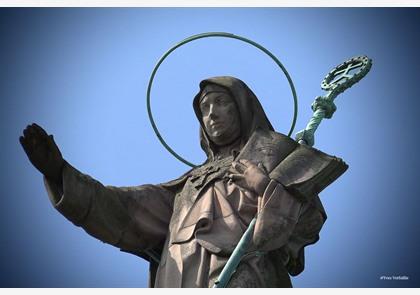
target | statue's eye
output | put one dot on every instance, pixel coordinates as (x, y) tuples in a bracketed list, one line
[(221, 101), (204, 108)]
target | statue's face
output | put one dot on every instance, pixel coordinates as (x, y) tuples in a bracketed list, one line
[(220, 118)]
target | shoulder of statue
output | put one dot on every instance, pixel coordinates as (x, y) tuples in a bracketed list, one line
[(176, 184)]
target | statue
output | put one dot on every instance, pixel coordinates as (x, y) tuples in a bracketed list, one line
[(187, 228)]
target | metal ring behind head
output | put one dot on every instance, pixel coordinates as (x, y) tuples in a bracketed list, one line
[(205, 35)]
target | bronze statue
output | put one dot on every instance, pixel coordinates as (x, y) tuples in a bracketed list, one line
[(187, 228)]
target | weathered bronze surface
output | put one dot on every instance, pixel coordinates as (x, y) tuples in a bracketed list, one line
[(192, 224)]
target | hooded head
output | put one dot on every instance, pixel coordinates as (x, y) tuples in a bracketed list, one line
[(243, 114)]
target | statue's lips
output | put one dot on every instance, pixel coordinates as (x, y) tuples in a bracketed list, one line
[(217, 125)]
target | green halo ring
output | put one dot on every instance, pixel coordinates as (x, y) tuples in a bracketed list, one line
[(206, 35)]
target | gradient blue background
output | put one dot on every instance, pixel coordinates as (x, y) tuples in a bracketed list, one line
[(82, 75)]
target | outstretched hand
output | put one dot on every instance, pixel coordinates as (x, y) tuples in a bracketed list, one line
[(249, 176), (42, 151)]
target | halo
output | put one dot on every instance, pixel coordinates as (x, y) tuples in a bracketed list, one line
[(206, 35)]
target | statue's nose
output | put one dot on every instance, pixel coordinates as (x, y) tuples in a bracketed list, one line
[(212, 112)]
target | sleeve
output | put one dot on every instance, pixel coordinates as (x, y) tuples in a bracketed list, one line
[(131, 218), (306, 232), (278, 214), (285, 222)]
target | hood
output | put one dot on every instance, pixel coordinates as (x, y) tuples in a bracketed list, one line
[(252, 115)]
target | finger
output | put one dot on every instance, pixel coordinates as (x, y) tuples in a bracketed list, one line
[(239, 167), (261, 166), (50, 144), (232, 170), (27, 132), (33, 139), (39, 133), (238, 180), (28, 146), (246, 162), (39, 130), (32, 130), (50, 139), (30, 137), (24, 144), (236, 177)]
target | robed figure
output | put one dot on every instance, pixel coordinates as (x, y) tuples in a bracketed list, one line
[(187, 228)]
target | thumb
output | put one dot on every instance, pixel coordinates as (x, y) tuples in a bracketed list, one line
[(52, 146), (50, 140), (261, 166)]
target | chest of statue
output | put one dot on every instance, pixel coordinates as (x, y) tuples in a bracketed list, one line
[(198, 180)]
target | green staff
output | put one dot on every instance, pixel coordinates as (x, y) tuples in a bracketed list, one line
[(337, 80)]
